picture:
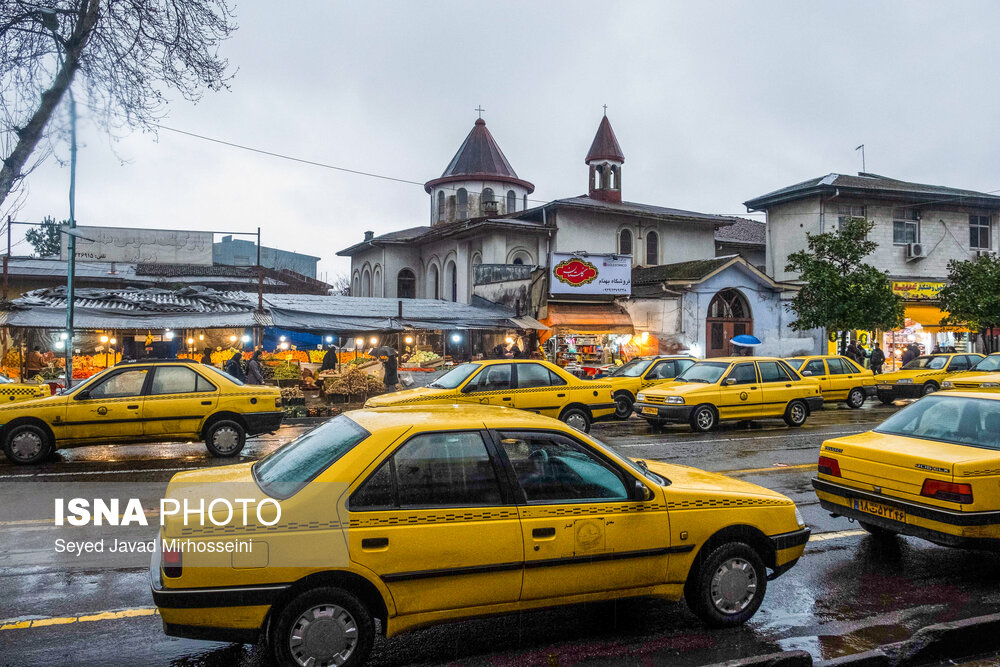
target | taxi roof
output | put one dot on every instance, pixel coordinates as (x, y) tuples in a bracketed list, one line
[(450, 417), (736, 359)]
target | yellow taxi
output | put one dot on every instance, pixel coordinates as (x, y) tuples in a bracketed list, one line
[(642, 372), (147, 400), (984, 376), (923, 375), (422, 515), (11, 391), (840, 378), (930, 470), (741, 388), (536, 386)]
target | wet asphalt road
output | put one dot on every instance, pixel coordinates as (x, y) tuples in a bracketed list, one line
[(846, 595)]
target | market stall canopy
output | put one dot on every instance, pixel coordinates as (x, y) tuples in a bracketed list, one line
[(929, 317), (590, 318)]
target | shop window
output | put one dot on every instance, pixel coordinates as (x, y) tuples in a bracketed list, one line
[(406, 285), (625, 242), (847, 211), (979, 232), (652, 249), (905, 226)]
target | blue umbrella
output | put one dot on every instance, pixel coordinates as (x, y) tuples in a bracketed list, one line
[(745, 340)]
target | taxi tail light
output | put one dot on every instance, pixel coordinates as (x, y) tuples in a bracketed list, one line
[(953, 493), (828, 466), (170, 563)]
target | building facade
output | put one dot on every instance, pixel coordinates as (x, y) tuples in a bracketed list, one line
[(241, 252)]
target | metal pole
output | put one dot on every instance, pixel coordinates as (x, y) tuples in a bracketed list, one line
[(71, 241), (6, 258)]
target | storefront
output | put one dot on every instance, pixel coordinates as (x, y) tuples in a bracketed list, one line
[(588, 336), (923, 326)]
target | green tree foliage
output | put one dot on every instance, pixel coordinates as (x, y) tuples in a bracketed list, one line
[(45, 238), (972, 296), (840, 292)]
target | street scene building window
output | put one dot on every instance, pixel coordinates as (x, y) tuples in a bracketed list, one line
[(905, 226), (847, 211), (652, 249), (487, 199), (463, 203), (979, 232), (625, 242), (441, 208), (511, 201), (406, 284)]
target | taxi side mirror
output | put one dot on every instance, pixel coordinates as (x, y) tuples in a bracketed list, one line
[(807, 373), (730, 381), (642, 492)]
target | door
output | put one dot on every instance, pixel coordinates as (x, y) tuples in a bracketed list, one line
[(661, 371), (492, 385), (112, 408), (177, 402), (583, 531), (817, 371), (435, 524), (844, 376), (776, 387), (740, 395), (539, 390)]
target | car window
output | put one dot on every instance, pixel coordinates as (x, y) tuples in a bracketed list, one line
[(553, 468), (703, 371), (683, 365), (665, 370), (815, 367), (796, 362), (178, 380), (771, 371), (959, 362), (376, 491), (927, 362), (987, 364), (495, 377), (223, 373), (838, 367), (455, 376), (536, 375), (632, 369), (965, 421), (743, 374), (126, 383), (445, 469)]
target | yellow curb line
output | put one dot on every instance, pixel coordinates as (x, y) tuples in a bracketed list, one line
[(65, 620)]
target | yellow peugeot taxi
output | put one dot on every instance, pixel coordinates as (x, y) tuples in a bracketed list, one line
[(840, 379), (923, 375), (743, 388), (930, 470), (147, 400), (984, 376), (642, 372), (421, 515), (537, 386)]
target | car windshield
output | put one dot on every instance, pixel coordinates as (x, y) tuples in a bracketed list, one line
[(632, 369), (708, 372), (5, 380), (223, 374), (89, 382), (974, 422), (454, 377), (638, 467), (283, 472), (796, 362), (927, 362), (988, 365)]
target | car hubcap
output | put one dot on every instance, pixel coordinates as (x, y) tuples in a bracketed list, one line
[(577, 421), (705, 419), (322, 636), (734, 585), (226, 439), (929, 389), (26, 445), (798, 413), (622, 406), (856, 398)]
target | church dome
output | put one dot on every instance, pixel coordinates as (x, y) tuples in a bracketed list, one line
[(479, 159)]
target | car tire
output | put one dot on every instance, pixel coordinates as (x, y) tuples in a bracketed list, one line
[(796, 414), (726, 587), (225, 438), (878, 532), (929, 388), (856, 398), (623, 405), (329, 625), (578, 418), (27, 444), (704, 418)]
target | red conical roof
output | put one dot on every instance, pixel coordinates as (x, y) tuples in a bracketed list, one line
[(605, 146), (479, 157)]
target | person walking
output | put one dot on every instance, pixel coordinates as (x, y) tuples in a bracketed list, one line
[(206, 356), (329, 360), (255, 374), (35, 362), (851, 352), (234, 367), (908, 355), (877, 359), (391, 370)]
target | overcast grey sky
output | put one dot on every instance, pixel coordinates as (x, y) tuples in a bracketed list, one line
[(713, 103)]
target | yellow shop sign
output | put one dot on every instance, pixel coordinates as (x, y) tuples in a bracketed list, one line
[(913, 290)]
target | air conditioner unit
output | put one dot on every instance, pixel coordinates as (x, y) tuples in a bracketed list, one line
[(985, 252), (915, 251)]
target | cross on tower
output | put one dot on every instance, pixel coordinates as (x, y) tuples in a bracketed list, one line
[(480, 109)]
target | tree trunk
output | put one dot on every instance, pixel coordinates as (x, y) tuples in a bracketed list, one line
[(29, 135)]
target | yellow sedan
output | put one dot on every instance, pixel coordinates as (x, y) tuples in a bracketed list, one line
[(840, 378), (931, 470), (642, 372), (924, 375), (409, 517), (983, 376), (12, 391)]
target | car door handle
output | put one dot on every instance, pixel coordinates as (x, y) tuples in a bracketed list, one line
[(543, 532), (560, 395), (132, 407), (375, 543), (506, 398), (788, 385), (206, 402), (753, 387)]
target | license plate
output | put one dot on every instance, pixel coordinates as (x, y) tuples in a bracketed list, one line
[(885, 386), (878, 509), (650, 411)]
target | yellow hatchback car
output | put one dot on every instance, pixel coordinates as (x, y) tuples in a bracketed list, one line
[(642, 372), (741, 388), (930, 470), (924, 375), (840, 378), (984, 376), (148, 400), (432, 514), (536, 386)]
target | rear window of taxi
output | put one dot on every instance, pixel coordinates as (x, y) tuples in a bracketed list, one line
[(973, 422)]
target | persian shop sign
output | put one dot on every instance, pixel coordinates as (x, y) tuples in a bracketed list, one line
[(912, 290), (590, 274)]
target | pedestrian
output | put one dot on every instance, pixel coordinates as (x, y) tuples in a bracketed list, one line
[(35, 362), (234, 366), (878, 358), (391, 370), (329, 360), (936, 350), (852, 351), (206, 356), (255, 374)]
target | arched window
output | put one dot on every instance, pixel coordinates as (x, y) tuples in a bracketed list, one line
[(598, 177), (511, 201), (377, 281), (366, 283), (519, 261), (615, 183), (356, 285), (463, 203), (652, 249), (625, 242), (524, 206), (729, 304), (432, 282), (520, 257), (406, 285), (486, 201), (451, 280), (440, 211)]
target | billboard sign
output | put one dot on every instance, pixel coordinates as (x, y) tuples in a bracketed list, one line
[(590, 274), (913, 290), (141, 246)]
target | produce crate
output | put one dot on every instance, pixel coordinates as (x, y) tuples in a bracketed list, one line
[(291, 382)]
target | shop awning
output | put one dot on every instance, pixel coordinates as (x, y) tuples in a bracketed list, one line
[(590, 318), (929, 317)]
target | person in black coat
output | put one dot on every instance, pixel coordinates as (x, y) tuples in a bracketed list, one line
[(391, 372), (877, 359), (255, 374), (329, 360), (234, 367), (206, 357)]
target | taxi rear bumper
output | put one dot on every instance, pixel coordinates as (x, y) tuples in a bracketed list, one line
[(262, 422)]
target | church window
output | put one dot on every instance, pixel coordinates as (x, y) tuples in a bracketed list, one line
[(625, 242), (652, 249), (463, 203), (406, 285), (511, 201), (440, 206)]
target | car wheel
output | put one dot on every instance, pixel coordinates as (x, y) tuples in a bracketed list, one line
[(856, 398), (727, 587), (27, 444), (325, 626), (623, 405), (225, 438), (703, 419), (796, 413), (929, 388), (878, 532), (886, 399), (578, 418)]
